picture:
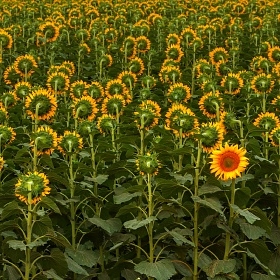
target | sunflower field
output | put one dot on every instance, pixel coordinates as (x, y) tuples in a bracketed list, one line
[(140, 139)]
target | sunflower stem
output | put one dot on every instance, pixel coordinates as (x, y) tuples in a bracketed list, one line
[(195, 215), (264, 103), (150, 214), (230, 221)]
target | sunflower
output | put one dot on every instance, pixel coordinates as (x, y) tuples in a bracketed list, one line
[(106, 123), (35, 183), (260, 64), (267, 121), (24, 65), (49, 31), (82, 35), (142, 44), (274, 136), (211, 136), (6, 39), (148, 81), (148, 164), (209, 103), (84, 48), (85, 108), (170, 74), (58, 83), (22, 89), (113, 104), (70, 66), (172, 39), (174, 52), (70, 142), (179, 117), (196, 43), (42, 101), (10, 75), (187, 35), (3, 114), (232, 83), (228, 162), (87, 128), (202, 66), (218, 54), (9, 99), (128, 47), (7, 135), (116, 86), (96, 91), (262, 83), (178, 92), (274, 54), (136, 66), (228, 120), (147, 114), (78, 89), (45, 139), (128, 78), (2, 163), (276, 102)]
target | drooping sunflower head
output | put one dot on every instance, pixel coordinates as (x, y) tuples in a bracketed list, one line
[(22, 89), (70, 142), (106, 123), (49, 31), (58, 83), (148, 81), (202, 66), (85, 108), (211, 136), (113, 105), (128, 46), (147, 114), (210, 104), (218, 54), (228, 162), (25, 65), (170, 74), (10, 75), (70, 66), (262, 83), (84, 48), (96, 91), (274, 136), (187, 35), (228, 120), (136, 65), (45, 139), (148, 164), (3, 113), (276, 102), (128, 78), (267, 121), (116, 86), (106, 60), (181, 120), (172, 39), (7, 135), (41, 104), (274, 54), (9, 99), (179, 92), (142, 44), (86, 128), (78, 89), (82, 35), (174, 52), (6, 39), (232, 83)]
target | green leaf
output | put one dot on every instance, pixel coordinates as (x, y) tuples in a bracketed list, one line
[(182, 179), (84, 257), (220, 267), (135, 224), (210, 202), (51, 274), (50, 204), (129, 274), (124, 197), (10, 209), (100, 179), (263, 221), (204, 261), (251, 231), (274, 263), (8, 224), (251, 218), (258, 276), (76, 268), (207, 188), (17, 244), (111, 225), (245, 177), (12, 273), (179, 238), (161, 270)]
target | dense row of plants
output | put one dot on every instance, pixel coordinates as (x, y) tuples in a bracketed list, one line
[(140, 139)]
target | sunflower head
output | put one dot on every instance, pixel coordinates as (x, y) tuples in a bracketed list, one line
[(45, 139), (25, 65), (267, 121), (274, 136), (6, 39), (172, 39), (70, 142), (218, 54), (174, 52), (78, 89), (22, 89), (136, 65), (7, 135), (274, 54), (148, 81), (113, 104), (58, 82), (86, 128), (148, 164), (9, 99), (96, 91), (232, 83), (210, 103), (85, 108), (115, 86), (143, 44), (106, 123), (128, 78), (179, 92), (262, 83), (35, 183), (70, 66), (170, 74), (228, 162)]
